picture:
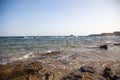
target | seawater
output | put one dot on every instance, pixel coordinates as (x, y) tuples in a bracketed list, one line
[(21, 47)]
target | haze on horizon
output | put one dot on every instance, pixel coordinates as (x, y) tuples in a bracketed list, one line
[(58, 17)]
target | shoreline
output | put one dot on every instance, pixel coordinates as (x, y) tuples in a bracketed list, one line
[(60, 64), (11, 70)]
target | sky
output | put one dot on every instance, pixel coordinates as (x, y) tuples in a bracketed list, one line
[(58, 17)]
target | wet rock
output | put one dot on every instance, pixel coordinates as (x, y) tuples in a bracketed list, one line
[(103, 47), (83, 76), (109, 73), (5, 72), (88, 69), (32, 71), (10, 71), (92, 76), (117, 77), (117, 44), (34, 67)]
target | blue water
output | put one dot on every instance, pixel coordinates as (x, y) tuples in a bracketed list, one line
[(17, 46)]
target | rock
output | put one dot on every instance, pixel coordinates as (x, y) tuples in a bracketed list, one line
[(5, 72), (32, 71), (88, 69), (34, 67), (109, 73), (83, 76), (103, 47), (117, 44), (10, 71), (92, 76), (117, 77)]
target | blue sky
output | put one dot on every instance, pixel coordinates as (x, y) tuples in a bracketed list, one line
[(58, 17)]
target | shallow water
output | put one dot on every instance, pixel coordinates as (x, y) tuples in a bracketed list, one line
[(83, 47)]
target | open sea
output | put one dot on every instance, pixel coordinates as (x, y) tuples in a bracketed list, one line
[(23, 47)]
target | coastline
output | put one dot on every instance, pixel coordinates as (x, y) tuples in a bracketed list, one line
[(60, 58), (61, 64)]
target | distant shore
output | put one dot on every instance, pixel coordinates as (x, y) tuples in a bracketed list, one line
[(116, 33)]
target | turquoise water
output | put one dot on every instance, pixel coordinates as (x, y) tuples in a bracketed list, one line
[(15, 47)]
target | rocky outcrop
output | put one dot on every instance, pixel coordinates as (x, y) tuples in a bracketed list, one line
[(117, 33)]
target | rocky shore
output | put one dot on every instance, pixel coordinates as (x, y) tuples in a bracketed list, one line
[(105, 71), (37, 71), (102, 63), (20, 71)]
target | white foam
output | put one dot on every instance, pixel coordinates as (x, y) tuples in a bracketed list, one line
[(27, 55), (49, 51), (30, 54)]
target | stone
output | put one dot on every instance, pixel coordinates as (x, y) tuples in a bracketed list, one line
[(103, 47), (11, 70), (34, 67), (92, 76), (83, 76), (117, 77), (109, 73), (117, 44), (88, 69)]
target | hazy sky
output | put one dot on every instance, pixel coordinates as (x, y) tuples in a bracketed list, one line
[(58, 17)]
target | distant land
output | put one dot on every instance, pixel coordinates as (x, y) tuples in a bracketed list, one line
[(116, 33)]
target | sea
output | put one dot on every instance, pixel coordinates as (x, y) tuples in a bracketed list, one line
[(14, 48)]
